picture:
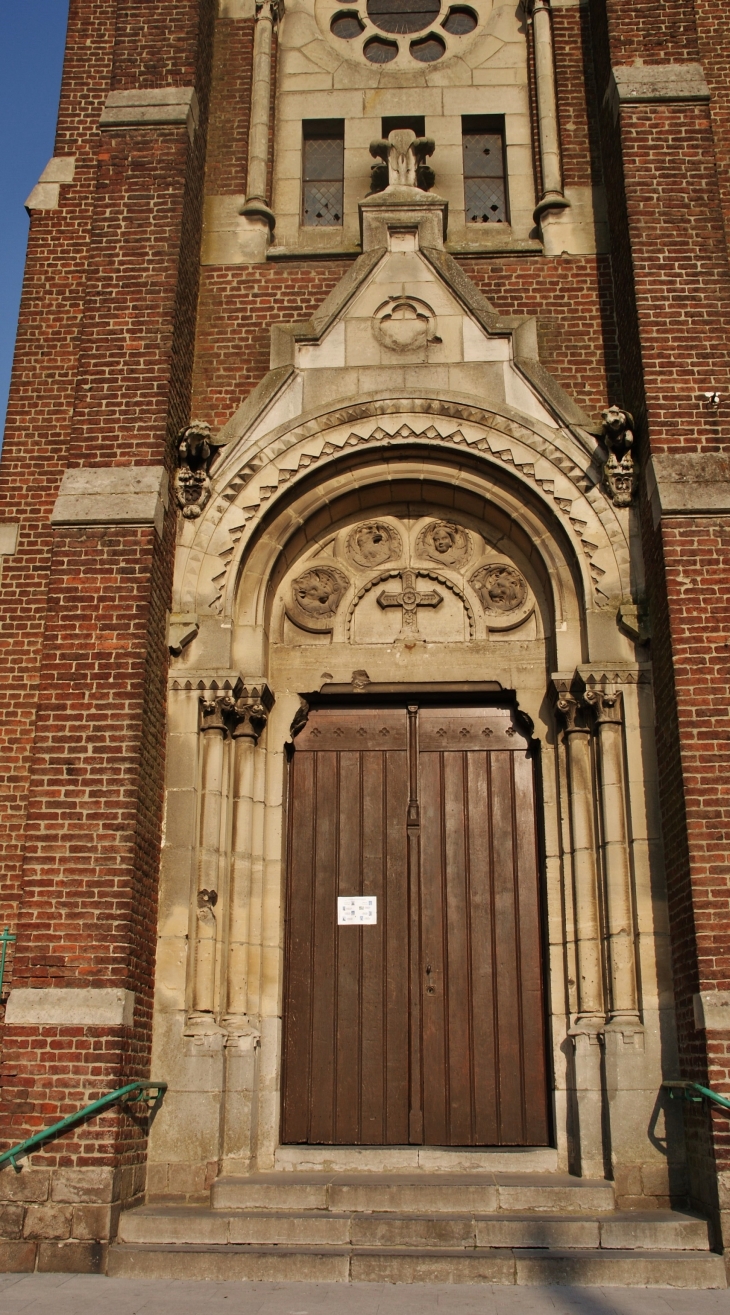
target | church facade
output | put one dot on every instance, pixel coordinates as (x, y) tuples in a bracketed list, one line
[(364, 541)]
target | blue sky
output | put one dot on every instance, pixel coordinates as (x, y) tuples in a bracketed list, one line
[(32, 35)]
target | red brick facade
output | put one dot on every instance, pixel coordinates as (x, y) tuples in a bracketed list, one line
[(123, 338)]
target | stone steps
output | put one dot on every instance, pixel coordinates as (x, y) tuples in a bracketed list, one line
[(397, 1228), (416, 1193), (479, 1227), (498, 1265), (617, 1230)]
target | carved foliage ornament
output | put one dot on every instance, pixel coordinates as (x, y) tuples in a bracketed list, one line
[(315, 597), (444, 542), (619, 471), (373, 543)]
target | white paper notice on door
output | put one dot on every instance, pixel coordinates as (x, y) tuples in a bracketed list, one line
[(360, 909)]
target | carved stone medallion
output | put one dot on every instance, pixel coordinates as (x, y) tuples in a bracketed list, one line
[(503, 593), (444, 542), (315, 597), (374, 543), (405, 324)]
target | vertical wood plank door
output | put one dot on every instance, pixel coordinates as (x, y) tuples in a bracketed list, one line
[(428, 1026), (484, 1064), (346, 987)]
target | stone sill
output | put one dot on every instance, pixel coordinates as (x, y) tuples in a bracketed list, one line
[(511, 247), (307, 253)]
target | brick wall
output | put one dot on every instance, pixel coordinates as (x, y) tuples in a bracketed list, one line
[(673, 300), (126, 242)]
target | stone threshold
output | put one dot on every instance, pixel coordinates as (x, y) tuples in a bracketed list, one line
[(426, 1159)]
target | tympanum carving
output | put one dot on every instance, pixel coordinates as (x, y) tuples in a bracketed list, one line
[(373, 543), (315, 597), (503, 593), (500, 588), (444, 542)]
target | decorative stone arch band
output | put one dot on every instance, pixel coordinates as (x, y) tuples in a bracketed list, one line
[(559, 473)]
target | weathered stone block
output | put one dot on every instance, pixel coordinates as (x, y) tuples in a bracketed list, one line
[(95, 1223), (72, 1257), (11, 1220), (84, 1186), (48, 1221), (17, 1257), (28, 1185)]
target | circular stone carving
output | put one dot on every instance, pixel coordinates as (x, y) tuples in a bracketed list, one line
[(373, 543), (315, 597), (404, 324), (444, 542), (503, 593)]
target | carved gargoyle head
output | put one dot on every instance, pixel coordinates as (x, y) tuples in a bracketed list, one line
[(618, 430), (619, 472), (196, 450)]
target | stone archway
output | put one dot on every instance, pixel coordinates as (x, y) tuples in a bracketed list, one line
[(304, 505)]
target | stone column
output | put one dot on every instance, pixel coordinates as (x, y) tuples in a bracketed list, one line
[(256, 211), (589, 1021), (251, 712), (213, 730), (616, 865), (547, 111)]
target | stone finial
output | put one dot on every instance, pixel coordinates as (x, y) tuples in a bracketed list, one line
[(196, 450), (404, 161), (619, 473)]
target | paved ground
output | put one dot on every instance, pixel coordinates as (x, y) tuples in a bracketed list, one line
[(74, 1294)]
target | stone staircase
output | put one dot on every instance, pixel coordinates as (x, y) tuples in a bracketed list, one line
[(476, 1227)]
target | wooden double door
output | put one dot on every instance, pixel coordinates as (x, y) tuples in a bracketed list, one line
[(427, 1025)]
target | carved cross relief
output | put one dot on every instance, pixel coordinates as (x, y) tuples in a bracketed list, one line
[(410, 600)]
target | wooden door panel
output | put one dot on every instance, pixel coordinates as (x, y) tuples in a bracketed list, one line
[(346, 1082), (475, 951), (483, 1037)]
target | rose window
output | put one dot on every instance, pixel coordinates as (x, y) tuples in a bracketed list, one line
[(420, 30)]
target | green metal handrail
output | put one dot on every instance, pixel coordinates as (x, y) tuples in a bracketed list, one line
[(123, 1094), (695, 1092)]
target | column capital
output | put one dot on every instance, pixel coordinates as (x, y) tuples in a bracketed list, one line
[(214, 711), (607, 705), (251, 711), (271, 11)]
